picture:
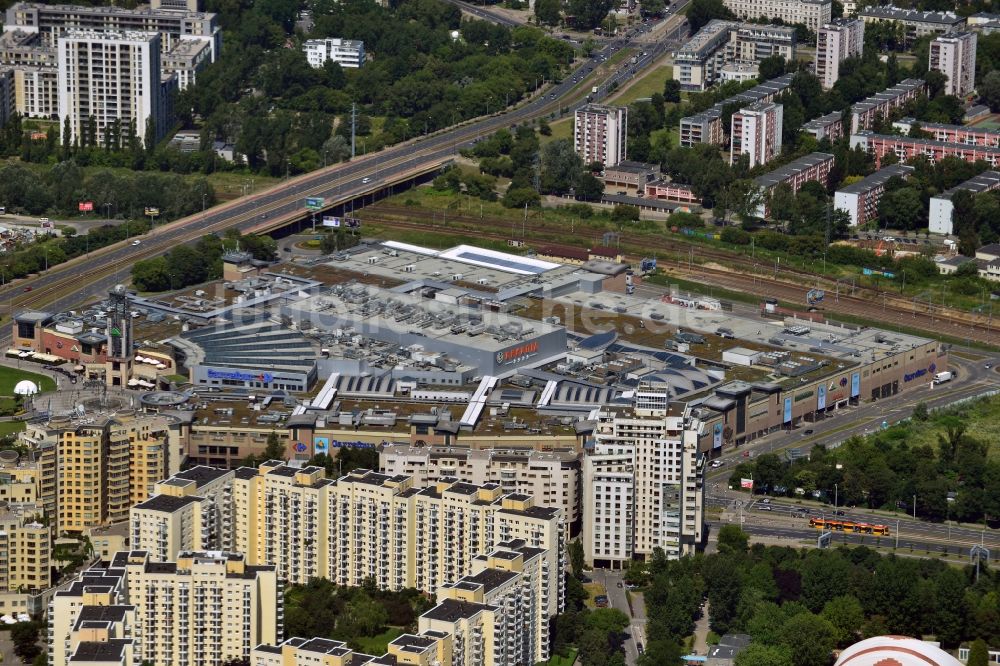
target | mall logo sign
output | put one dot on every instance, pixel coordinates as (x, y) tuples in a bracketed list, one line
[(517, 353), (266, 377)]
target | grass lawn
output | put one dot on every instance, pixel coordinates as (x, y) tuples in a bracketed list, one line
[(559, 660), (10, 427), (9, 377), (378, 645), (561, 129), (644, 86), (980, 418), (593, 590)]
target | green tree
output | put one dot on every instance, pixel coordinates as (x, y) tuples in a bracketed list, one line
[(576, 557), (771, 68), (672, 91), (845, 615), (363, 616), (547, 11), (589, 13), (989, 88), (920, 412), (902, 209), (561, 167), (732, 540), (703, 11), (979, 653), (758, 654), (589, 188), (810, 638)]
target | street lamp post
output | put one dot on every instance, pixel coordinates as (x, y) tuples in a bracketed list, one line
[(836, 491)]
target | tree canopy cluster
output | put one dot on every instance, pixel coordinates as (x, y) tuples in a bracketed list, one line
[(324, 609), (597, 634), (885, 470), (187, 265), (798, 605), (263, 96)]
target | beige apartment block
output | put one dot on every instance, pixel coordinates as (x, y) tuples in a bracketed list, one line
[(94, 469)]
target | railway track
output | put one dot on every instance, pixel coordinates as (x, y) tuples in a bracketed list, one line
[(672, 243), (863, 303)]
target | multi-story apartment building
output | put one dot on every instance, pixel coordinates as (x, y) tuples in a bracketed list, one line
[(497, 615), (51, 22), (206, 608), (104, 636), (94, 469), (369, 525), (810, 13), (185, 61), (756, 132), (752, 42), (550, 476), (600, 133), (95, 588), (36, 91), (941, 209), (830, 126), (345, 52), (25, 558), (837, 41), (189, 511), (954, 55), (860, 200), (971, 136), (425, 649), (814, 166), (906, 148), (915, 23), (706, 127), (642, 481), (698, 62), (865, 114), (110, 79)]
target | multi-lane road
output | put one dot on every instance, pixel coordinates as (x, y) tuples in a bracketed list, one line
[(69, 284)]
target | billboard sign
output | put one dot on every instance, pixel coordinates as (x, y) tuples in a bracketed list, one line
[(321, 445), (330, 221), (151, 211), (315, 203), (787, 416), (717, 436), (855, 384), (85, 206), (821, 398)]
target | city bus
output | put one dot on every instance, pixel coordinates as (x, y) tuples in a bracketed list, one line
[(848, 526)]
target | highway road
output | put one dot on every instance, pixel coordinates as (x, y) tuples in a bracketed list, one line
[(70, 284), (911, 536)]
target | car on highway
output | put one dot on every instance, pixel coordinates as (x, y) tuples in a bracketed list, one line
[(840, 513), (28, 288), (987, 366), (766, 508), (137, 242), (638, 646), (365, 180), (766, 500), (807, 431)]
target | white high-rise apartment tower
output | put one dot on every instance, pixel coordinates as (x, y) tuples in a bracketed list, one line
[(599, 133), (109, 75), (837, 41), (756, 131), (955, 56), (643, 486)]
